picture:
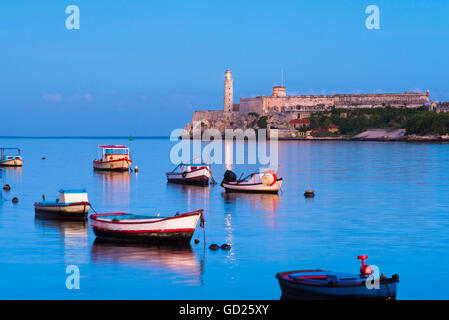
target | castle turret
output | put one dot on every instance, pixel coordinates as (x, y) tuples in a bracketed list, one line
[(228, 99), (278, 91)]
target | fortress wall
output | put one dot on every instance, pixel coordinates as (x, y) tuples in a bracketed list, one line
[(279, 104), (251, 105), (209, 115)]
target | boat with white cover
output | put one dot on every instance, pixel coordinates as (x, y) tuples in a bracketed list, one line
[(71, 204)]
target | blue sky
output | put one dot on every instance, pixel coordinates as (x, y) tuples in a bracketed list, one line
[(143, 67)]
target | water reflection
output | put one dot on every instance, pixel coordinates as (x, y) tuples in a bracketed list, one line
[(73, 236), (256, 201), (194, 195), (115, 187), (66, 229), (13, 173), (181, 261)]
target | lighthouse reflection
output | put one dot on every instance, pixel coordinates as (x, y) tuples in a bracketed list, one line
[(179, 261)]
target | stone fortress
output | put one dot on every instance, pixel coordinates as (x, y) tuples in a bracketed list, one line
[(281, 108)]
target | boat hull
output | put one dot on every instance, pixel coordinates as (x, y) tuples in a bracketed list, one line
[(11, 163), (198, 177), (155, 237), (72, 211), (294, 290), (253, 188), (177, 229), (114, 165)]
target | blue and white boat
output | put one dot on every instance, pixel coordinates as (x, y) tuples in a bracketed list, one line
[(71, 204), (10, 157), (322, 285)]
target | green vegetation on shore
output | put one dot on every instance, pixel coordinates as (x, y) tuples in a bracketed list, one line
[(417, 121)]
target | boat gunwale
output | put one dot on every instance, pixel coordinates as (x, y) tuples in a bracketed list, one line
[(187, 172), (55, 204), (109, 161), (283, 276), (240, 183), (97, 217)]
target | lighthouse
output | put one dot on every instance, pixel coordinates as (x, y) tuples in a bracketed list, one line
[(228, 99)]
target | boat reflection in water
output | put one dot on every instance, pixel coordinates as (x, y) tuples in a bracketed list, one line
[(256, 201), (73, 235), (179, 261), (12, 174), (115, 187), (194, 196)]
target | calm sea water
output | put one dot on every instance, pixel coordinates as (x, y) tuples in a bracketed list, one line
[(387, 200)]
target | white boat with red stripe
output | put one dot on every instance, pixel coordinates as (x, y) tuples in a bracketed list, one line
[(113, 158), (190, 174), (131, 227)]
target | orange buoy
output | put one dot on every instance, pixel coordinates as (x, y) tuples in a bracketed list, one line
[(6, 187), (15, 200)]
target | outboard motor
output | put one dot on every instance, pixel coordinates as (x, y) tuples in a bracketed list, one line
[(229, 176)]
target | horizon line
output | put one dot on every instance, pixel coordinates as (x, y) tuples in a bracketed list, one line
[(84, 137)]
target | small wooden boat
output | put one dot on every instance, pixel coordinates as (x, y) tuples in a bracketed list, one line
[(113, 158), (190, 174), (266, 182), (10, 157), (72, 204), (321, 285), (130, 227)]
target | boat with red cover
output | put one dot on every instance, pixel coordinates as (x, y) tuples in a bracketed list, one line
[(190, 174), (113, 158), (130, 227), (322, 285)]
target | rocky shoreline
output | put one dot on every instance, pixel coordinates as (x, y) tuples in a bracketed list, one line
[(411, 138)]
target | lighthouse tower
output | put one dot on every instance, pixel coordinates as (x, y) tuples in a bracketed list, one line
[(228, 99)]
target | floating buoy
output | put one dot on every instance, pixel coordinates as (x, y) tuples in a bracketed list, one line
[(214, 246), (15, 200), (6, 187), (269, 178), (196, 241), (309, 194), (225, 246), (136, 169)]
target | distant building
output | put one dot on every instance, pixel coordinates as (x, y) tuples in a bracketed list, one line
[(299, 123), (282, 108), (279, 101), (333, 128)]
